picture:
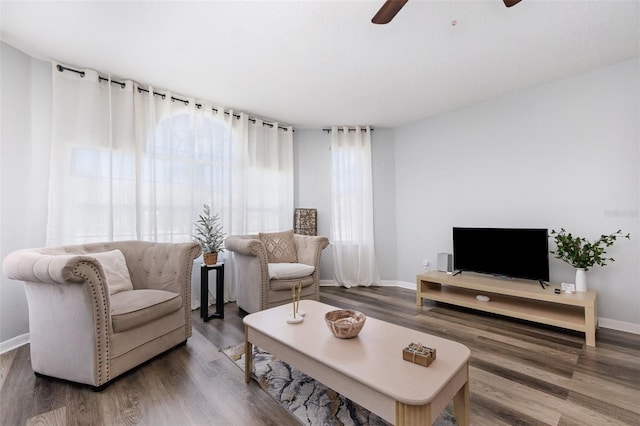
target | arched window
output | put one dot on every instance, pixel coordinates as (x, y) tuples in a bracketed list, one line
[(187, 161)]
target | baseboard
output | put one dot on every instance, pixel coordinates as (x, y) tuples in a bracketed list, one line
[(16, 342), (383, 283), (402, 284), (627, 327)]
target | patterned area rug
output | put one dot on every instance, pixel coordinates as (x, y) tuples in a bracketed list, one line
[(308, 400)]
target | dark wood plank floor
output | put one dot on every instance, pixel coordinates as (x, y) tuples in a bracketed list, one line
[(521, 374)]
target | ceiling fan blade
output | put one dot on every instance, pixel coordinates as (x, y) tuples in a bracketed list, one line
[(510, 3), (388, 10)]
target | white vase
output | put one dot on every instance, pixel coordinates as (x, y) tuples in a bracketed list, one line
[(581, 279)]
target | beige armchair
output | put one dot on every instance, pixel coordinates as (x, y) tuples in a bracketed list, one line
[(265, 270), (98, 310)]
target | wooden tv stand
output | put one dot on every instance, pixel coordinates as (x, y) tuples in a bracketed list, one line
[(524, 299)]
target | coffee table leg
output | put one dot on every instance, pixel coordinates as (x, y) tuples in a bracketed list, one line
[(461, 404), (248, 356), (413, 415)]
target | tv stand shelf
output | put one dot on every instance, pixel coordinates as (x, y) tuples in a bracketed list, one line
[(523, 299)]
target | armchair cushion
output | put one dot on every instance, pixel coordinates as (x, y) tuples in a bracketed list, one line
[(284, 286), (280, 246), (130, 309), (115, 270), (285, 271)]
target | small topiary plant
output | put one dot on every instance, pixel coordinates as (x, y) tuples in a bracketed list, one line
[(208, 232)]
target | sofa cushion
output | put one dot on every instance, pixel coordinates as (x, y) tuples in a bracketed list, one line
[(286, 271), (281, 248), (280, 285), (115, 270), (133, 308)]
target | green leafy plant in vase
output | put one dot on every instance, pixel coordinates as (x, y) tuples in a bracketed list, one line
[(208, 233), (582, 254)]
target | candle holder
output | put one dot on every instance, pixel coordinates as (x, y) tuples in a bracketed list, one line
[(296, 315), (294, 320)]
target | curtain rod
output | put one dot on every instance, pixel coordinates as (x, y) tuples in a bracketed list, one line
[(163, 95), (340, 129)]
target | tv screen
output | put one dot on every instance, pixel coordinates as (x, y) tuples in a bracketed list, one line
[(512, 252)]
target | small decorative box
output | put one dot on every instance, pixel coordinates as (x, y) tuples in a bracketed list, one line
[(419, 354)]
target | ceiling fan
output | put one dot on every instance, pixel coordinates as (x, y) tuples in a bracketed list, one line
[(391, 7)]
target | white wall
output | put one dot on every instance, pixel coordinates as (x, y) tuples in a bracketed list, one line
[(312, 185), (384, 201), (565, 154), (312, 159), (25, 84)]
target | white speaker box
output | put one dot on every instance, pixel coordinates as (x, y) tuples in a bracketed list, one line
[(445, 262)]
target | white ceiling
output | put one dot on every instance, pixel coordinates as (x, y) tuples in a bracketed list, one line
[(320, 63)]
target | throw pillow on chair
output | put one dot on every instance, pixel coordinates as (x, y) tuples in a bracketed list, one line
[(281, 248)]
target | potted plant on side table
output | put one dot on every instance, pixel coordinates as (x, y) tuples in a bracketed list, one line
[(583, 254), (208, 233)]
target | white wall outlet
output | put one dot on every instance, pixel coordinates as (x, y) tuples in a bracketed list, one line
[(426, 264)]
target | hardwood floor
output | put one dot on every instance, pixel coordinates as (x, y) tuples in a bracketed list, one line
[(521, 374)]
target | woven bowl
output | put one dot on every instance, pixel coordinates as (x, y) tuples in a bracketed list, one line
[(345, 323)]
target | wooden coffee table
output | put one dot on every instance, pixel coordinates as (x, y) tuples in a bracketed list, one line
[(368, 369)]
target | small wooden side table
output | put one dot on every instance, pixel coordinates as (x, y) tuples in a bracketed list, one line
[(204, 291)]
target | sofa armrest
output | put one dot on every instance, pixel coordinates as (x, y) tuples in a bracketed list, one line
[(246, 246), (251, 271), (309, 248), (31, 266), (69, 313), (36, 268)]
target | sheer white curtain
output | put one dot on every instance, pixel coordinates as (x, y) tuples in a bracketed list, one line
[(92, 186), (352, 207), (269, 190), (131, 162)]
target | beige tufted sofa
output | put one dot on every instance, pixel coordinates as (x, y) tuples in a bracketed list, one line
[(255, 289), (82, 333)]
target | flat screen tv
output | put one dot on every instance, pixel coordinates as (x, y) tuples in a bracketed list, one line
[(511, 252)]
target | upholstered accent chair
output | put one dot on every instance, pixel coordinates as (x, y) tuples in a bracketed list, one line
[(266, 266), (97, 310)]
